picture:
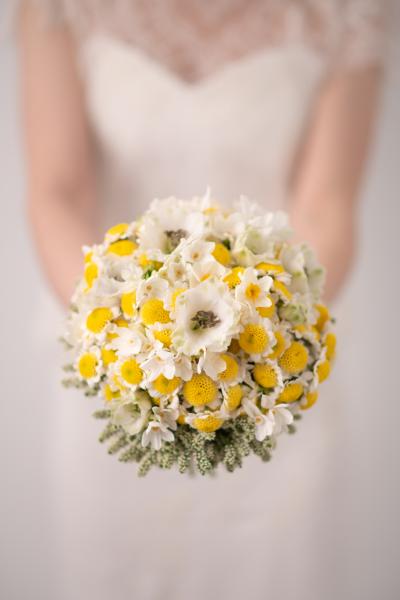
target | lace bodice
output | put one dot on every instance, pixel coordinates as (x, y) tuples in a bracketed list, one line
[(195, 38)]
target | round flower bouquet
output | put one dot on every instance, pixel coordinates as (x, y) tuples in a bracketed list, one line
[(202, 330)]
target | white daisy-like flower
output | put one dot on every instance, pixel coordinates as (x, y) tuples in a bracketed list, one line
[(156, 433), (205, 269), (278, 413), (133, 416), (206, 318), (168, 415), (153, 287), (253, 290), (264, 422), (211, 363), (128, 341), (196, 250)]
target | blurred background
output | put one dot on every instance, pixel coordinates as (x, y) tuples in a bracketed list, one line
[(369, 336)]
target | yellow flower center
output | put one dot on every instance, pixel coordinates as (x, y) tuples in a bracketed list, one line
[(122, 248), (153, 311), (166, 386), (330, 343), (120, 322), (323, 316), (265, 376), (118, 229), (108, 356), (128, 301), (131, 372), (110, 394), (311, 399), (266, 267), (233, 278), (282, 290), (91, 274), (207, 424), (323, 370), (234, 397), (279, 346), (253, 291), (294, 359), (163, 336), (87, 365), (267, 311), (98, 319), (221, 254), (253, 339), (231, 370), (291, 393), (200, 390), (88, 256)]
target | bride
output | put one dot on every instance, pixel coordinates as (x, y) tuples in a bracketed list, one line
[(130, 100)]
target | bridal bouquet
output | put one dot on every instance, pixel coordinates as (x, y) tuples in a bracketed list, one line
[(202, 330)]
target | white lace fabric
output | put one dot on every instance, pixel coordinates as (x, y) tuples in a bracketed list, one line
[(195, 38)]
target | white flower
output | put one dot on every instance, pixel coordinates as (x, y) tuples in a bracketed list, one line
[(206, 318), (155, 434), (277, 413), (129, 340), (211, 363), (159, 361), (153, 287), (196, 250), (205, 269), (168, 415), (253, 291), (264, 423), (133, 416)]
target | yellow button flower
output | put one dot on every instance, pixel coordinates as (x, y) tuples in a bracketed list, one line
[(207, 424), (323, 370), (91, 274), (323, 316), (311, 399), (153, 311), (282, 290), (233, 278), (108, 356), (119, 229), (253, 339), (330, 343), (279, 346), (234, 397), (231, 370), (163, 336), (200, 390), (131, 372), (294, 359), (265, 376), (98, 319), (273, 268), (162, 385), (109, 393), (122, 248), (221, 254), (87, 365), (128, 302), (291, 393)]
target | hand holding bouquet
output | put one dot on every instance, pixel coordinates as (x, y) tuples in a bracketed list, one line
[(202, 329)]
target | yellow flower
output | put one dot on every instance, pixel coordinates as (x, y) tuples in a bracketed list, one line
[(207, 424), (279, 347), (163, 336), (162, 385), (294, 359), (270, 268), (119, 229), (291, 393), (87, 365), (108, 356), (131, 372), (265, 376), (323, 370), (330, 344), (253, 339), (122, 248), (200, 390), (221, 254), (153, 311), (311, 399), (267, 311), (282, 289), (98, 319), (233, 278), (231, 370), (234, 397), (323, 317), (91, 274), (110, 394), (128, 302), (120, 322), (88, 256)]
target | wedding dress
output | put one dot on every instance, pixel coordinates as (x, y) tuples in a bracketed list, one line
[(182, 95)]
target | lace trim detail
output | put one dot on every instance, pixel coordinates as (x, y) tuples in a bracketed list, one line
[(195, 38)]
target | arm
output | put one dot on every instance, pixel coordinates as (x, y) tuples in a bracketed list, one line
[(326, 184), (61, 196)]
